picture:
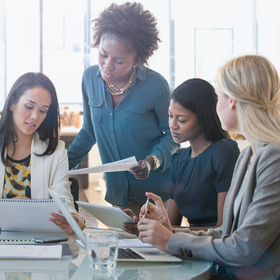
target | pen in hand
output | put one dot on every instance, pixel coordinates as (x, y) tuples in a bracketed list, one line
[(146, 207)]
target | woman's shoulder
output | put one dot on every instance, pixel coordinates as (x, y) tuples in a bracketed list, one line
[(180, 156), (152, 75), (91, 71), (224, 150), (268, 151), (225, 145)]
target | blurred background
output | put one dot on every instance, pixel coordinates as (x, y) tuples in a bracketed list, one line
[(198, 36)]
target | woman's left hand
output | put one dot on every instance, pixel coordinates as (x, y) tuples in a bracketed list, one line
[(142, 171), (153, 232), (61, 222)]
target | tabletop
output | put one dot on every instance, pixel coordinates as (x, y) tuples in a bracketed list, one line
[(77, 268)]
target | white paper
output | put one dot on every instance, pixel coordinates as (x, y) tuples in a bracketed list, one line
[(133, 243), (30, 251), (120, 165)]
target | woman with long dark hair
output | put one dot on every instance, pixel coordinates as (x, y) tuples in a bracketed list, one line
[(200, 174), (33, 159)]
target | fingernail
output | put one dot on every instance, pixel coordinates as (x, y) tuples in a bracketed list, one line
[(140, 216), (148, 211), (142, 211)]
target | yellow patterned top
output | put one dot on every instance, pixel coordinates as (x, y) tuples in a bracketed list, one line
[(17, 178)]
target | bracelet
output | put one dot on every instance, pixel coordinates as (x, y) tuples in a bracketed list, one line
[(156, 162)]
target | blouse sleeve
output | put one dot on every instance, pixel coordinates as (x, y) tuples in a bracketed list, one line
[(166, 147), (85, 139), (60, 182)]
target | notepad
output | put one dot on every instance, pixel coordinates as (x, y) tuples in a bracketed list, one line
[(28, 215), (126, 243), (54, 267), (30, 251), (133, 243)]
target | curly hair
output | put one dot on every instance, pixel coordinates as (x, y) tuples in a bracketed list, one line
[(129, 22)]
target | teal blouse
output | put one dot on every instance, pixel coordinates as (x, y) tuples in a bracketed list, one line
[(138, 126)]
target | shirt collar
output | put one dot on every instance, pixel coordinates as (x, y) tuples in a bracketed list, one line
[(141, 73)]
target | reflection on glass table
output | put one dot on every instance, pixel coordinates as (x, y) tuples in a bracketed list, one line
[(199, 270)]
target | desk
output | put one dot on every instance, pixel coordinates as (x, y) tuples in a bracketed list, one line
[(78, 268)]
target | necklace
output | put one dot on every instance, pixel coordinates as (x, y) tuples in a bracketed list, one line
[(115, 91)]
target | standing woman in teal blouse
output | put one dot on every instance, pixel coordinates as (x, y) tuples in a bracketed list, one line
[(126, 106)]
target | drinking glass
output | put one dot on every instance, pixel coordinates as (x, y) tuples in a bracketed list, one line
[(102, 247)]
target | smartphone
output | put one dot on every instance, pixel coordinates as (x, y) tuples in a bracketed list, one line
[(50, 239)]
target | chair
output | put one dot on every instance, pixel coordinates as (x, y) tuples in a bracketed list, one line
[(75, 191)]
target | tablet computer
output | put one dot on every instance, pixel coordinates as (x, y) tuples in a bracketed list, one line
[(110, 216)]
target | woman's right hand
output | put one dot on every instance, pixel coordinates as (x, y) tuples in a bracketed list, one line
[(157, 211), (130, 227)]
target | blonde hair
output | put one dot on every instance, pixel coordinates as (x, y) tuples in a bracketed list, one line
[(254, 83)]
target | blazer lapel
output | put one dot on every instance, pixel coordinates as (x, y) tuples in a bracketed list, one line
[(2, 175), (240, 169), (37, 168)]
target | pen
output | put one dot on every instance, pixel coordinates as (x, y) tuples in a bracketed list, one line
[(146, 207)]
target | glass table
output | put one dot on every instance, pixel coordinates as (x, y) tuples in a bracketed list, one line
[(77, 268)]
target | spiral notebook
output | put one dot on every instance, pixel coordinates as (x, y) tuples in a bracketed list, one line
[(47, 267), (28, 215)]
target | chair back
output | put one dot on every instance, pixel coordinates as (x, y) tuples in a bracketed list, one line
[(75, 191)]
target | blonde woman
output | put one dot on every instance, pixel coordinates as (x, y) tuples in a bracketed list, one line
[(247, 245)]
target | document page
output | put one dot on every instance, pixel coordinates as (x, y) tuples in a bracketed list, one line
[(133, 243), (30, 251), (120, 165)]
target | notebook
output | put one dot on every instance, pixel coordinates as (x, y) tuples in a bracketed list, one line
[(48, 269), (146, 254), (28, 215)]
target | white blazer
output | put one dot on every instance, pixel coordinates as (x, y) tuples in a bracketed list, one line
[(49, 171)]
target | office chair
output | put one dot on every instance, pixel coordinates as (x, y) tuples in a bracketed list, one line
[(75, 191)]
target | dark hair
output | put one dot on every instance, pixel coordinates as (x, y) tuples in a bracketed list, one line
[(129, 22), (199, 97), (48, 130)]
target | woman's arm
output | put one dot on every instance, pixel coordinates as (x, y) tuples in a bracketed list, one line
[(85, 139), (173, 213), (59, 182), (166, 147)]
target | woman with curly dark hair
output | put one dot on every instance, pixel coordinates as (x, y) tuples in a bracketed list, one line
[(126, 106)]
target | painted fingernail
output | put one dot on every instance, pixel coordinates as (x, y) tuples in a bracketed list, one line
[(140, 216), (148, 211)]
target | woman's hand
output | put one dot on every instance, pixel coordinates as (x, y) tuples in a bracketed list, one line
[(142, 171), (153, 232), (157, 211), (61, 222), (129, 227)]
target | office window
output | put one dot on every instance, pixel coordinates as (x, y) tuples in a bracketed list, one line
[(54, 36)]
